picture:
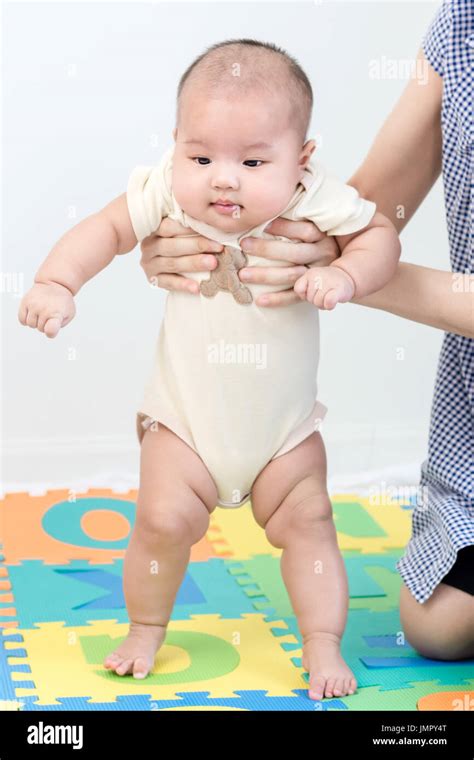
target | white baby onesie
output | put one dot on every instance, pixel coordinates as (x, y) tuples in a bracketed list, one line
[(236, 381)]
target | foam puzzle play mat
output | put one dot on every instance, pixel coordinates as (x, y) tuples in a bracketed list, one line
[(232, 642)]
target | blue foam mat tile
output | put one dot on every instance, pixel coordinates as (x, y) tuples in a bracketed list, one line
[(243, 700), (81, 592)]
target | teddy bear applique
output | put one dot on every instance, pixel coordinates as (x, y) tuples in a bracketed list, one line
[(225, 276)]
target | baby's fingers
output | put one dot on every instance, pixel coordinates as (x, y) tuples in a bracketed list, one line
[(31, 318), (317, 299), (331, 299), (301, 285), (22, 313), (52, 321), (52, 326)]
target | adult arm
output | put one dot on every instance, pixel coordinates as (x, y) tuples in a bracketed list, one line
[(398, 172), (429, 296), (405, 159)]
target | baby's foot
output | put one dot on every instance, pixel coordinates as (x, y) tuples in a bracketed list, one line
[(136, 654), (329, 676)]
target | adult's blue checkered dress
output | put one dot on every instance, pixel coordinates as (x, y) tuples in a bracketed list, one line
[(443, 518)]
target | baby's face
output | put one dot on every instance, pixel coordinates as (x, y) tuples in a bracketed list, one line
[(242, 152)]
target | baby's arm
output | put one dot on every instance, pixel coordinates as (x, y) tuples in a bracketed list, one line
[(368, 260), (80, 254)]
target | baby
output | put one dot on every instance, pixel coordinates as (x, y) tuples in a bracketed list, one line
[(230, 410)]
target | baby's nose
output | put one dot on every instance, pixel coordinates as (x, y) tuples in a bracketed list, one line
[(225, 181)]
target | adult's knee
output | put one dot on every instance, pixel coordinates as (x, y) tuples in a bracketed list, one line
[(432, 631), (440, 645)]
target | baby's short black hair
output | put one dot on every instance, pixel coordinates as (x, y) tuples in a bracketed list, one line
[(248, 65)]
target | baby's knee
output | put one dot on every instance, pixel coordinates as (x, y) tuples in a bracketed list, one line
[(305, 510), (166, 523)]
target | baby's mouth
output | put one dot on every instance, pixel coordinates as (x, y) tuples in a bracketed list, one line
[(225, 208)]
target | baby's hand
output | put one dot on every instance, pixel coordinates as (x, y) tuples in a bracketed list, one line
[(325, 286), (48, 307)]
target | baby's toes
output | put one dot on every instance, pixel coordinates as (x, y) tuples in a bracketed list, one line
[(345, 687), (112, 660), (352, 685), (124, 667), (330, 686), (339, 687), (140, 668), (316, 687)]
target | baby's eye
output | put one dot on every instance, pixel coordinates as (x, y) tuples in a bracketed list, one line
[(199, 159), (252, 161)]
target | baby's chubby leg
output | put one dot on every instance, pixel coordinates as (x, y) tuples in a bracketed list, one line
[(175, 498), (290, 500)]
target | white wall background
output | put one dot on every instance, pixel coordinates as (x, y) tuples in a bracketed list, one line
[(89, 92)]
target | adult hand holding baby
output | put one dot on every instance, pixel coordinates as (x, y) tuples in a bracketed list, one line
[(311, 247), (174, 249)]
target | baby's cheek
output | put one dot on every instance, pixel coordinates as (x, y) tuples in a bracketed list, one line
[(265, 206), (188, 197), (271, 198)]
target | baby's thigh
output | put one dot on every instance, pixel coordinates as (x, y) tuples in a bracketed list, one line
[(173, 480), (291, 479)]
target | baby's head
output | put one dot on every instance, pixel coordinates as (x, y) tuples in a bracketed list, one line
[(243, 111)]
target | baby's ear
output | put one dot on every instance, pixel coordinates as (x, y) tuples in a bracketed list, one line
[(306, 152)]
